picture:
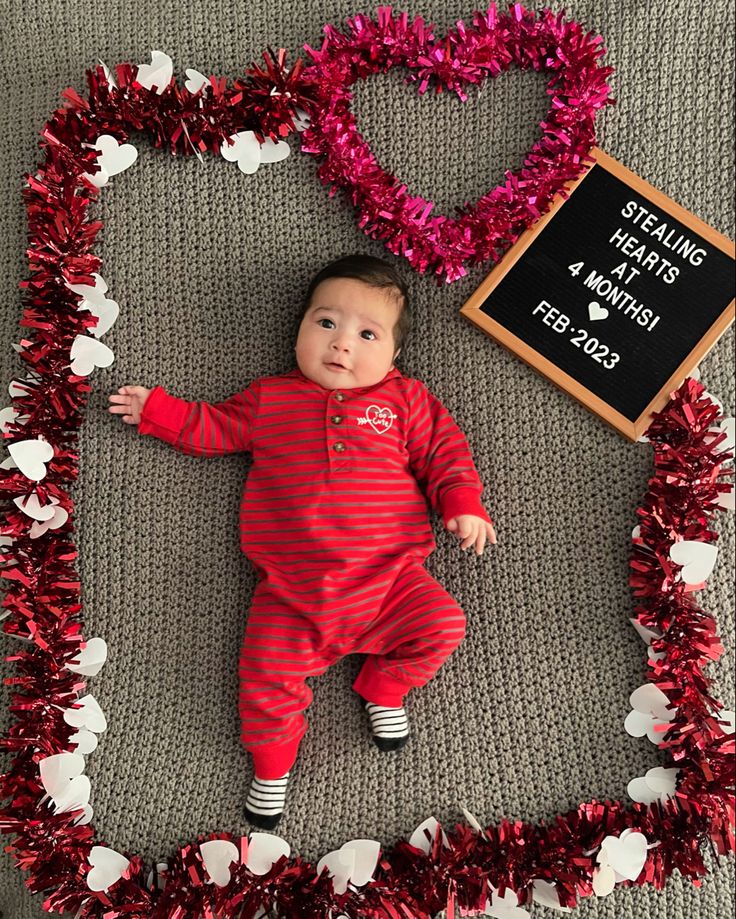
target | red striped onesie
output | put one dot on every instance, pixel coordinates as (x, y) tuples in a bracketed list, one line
[(335, 521)]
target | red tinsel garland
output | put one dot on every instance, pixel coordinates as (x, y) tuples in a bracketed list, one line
[(466, 56), (43, 589)]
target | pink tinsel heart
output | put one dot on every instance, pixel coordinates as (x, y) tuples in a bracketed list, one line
[(467, 55)]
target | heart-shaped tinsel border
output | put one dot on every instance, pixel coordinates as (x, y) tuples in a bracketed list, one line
[(470, 868), (467, 55)]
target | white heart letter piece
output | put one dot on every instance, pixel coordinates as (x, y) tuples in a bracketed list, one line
[(626, 856), (88, 353), (86, 714), (91, 658), (108, 867), (158, 73), (596, 311), (263, 850), (218, 855), (31, 457), (697, 559)]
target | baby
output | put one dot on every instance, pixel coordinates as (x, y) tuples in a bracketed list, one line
[(334, 516)]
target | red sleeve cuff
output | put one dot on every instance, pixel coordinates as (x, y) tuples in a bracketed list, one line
[(463, 501), (163, 416)]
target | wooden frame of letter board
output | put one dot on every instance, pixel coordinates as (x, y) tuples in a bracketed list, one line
[(632, 430)]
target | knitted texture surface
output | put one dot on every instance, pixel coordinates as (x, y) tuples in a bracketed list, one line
[(209, 267)]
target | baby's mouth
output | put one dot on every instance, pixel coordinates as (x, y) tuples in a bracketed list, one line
[(335, 366)]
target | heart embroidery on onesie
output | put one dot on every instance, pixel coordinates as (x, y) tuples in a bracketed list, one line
[(380, 419)]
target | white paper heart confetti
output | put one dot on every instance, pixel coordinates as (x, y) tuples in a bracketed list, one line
[(59, 518), (10, 416), (61, 776), (419, 838), (625, 854), (32, 507), (108, 75), (274, 151), (657, 785), (31, 457), (650, 710), (86, 714), (84, 741), (88, 353), (472, 821), (546, 894), (195, 81), (728, 425), (263, 850), (697, 559), (74, 796), (108, 867), (604, 880), (249, 154), (727, 721), (106, 312), (353, 863), (95, 294), (58, 770), (156, 74), (91, 658), (112, 159), (727, 499), (505, 907), (218, 855)]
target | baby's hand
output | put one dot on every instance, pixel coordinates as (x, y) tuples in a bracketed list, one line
[(129, 403), (472, 530)]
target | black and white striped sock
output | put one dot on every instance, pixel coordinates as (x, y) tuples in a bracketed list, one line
[(266, 800), (389, 726)]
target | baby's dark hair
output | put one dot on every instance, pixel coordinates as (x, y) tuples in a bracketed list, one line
[(374, 272)]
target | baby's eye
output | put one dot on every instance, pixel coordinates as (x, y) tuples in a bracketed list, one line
[(369, 333), (320, 321)]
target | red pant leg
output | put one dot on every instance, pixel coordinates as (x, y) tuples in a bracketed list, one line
[(280, 649), (418, 627)]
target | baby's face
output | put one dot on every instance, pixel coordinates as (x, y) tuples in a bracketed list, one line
[(346, 337)]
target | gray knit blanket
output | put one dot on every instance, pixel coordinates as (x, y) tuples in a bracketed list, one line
[(209, 266)]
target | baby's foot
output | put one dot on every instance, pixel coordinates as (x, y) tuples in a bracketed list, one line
[(265, 802), (389, 726)]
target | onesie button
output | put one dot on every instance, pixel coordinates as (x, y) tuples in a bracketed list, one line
[(339, 396), (339, 447), (336, 419)]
